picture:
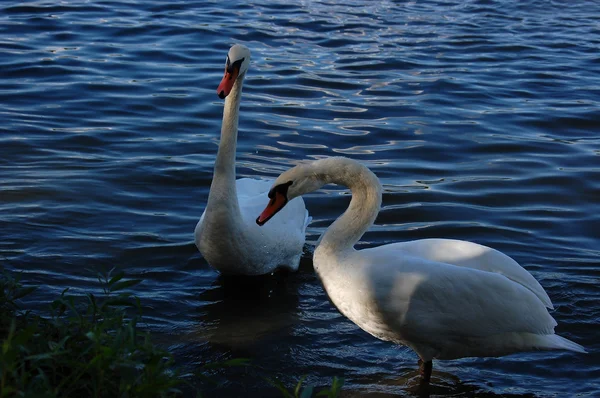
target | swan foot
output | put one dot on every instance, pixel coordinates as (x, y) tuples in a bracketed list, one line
[(425, 369)]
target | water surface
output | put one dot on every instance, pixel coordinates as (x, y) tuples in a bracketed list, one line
[(479, 117)]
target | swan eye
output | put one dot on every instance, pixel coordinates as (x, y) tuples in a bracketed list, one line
[(235, 66), (281, 189)]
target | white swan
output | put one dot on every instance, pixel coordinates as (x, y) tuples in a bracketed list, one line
[(443, 298), (226, 234)]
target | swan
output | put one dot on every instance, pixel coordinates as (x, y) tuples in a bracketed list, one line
[(443, 298), (226, 234)]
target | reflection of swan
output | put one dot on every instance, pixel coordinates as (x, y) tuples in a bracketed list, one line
[(234, 317), (443, 298), (242, 313), (226, 234)]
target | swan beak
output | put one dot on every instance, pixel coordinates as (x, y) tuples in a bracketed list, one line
[(278, 201), (227, 82)]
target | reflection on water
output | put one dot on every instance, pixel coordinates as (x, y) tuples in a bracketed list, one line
[(479, 117), (238, 313)]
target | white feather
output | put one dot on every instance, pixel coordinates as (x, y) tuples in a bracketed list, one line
[(227, 234), (443, 298)]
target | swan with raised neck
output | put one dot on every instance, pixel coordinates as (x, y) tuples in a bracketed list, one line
[(226, 235)]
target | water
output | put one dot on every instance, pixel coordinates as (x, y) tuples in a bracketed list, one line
[(480, 118)]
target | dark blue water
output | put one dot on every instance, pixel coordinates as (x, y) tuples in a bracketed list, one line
[(482, 119)]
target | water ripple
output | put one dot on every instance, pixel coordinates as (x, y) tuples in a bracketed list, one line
[(479, 117)]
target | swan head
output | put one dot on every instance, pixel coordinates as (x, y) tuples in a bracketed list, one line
[(295, 182), (236, 65)]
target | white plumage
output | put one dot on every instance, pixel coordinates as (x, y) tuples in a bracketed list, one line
[(444, 298), (226, 234)]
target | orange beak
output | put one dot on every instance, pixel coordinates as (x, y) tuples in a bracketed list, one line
[(227, 82), (278, 201)]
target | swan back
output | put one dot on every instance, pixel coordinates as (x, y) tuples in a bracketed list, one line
[(472, 255)]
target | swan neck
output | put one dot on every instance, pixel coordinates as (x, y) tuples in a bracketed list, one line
[(225, 161), (223, 192), (361, 213)]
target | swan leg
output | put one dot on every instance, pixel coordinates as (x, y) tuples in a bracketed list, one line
[(425, 369)]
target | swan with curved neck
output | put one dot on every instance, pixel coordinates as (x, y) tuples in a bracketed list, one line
[(226, 234), (443, 298)]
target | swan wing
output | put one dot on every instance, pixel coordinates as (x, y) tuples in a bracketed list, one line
[(252, 187), (472, 255), (433, 301)]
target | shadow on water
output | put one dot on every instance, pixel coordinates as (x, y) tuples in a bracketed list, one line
[(240, 313), (240, 317)]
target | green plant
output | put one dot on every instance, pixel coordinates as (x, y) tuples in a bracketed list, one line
[(92, 346), (89, 346), (308, 391), (11, 290)]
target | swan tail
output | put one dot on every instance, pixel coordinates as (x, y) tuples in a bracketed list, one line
[(555, 342)]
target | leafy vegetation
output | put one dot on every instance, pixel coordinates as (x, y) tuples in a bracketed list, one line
[(301, 391), (92, 346), (83, 349)]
